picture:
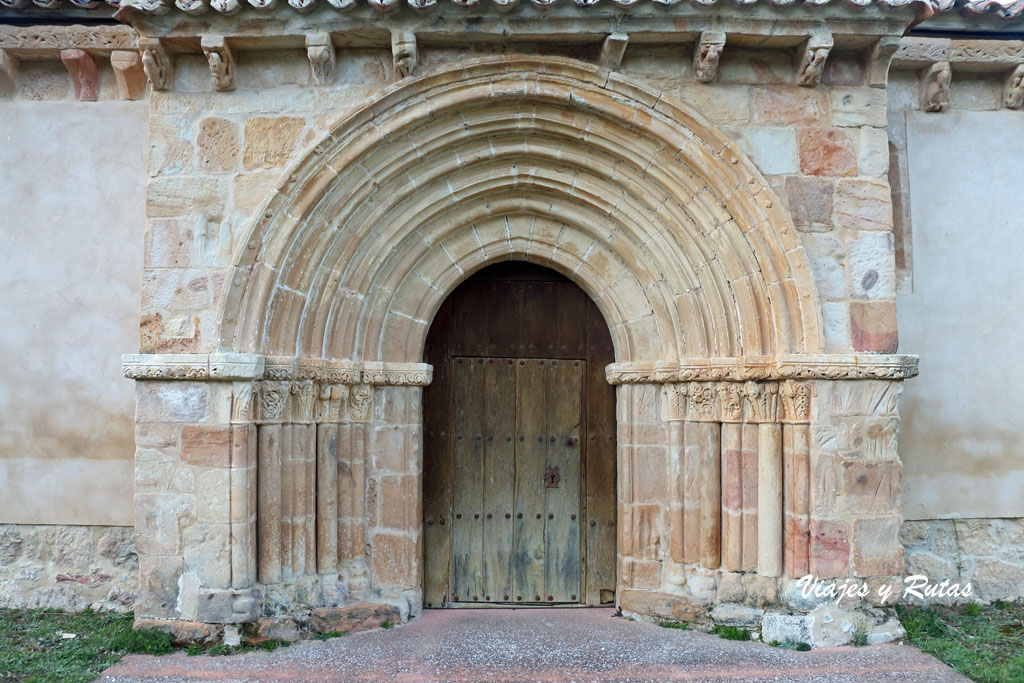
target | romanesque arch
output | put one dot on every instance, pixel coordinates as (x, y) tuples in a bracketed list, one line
[(655, 213)]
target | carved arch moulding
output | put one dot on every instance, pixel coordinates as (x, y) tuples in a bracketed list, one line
[(656, 214)]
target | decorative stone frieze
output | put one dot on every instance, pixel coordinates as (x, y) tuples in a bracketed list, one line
[(812, 63), (612, 49), (236, 366), (47, 41), (221, 59), (707, 53), (844, 367)]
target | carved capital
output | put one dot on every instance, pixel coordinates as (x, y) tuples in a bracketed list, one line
[(674, 401), (360, 403), (880, 58), (1013, 94), (612, 49), (131, 79), (221, 59), (730, 402), (812, 62), (157, 63), (935, 87), (273, 400), (795, 399), (760, 401), (333, 403), (701, 404), (706, 54), (322, 57), (404, 52), (303, 402), (244, 403), (85, 77)]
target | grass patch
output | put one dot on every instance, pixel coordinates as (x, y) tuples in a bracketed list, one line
[(33, 646), (986, 644), (387, 624), (329, 635), (791, 645), (731, 632), (681, 625)]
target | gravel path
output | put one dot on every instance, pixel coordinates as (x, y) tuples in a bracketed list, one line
[(538, 645)]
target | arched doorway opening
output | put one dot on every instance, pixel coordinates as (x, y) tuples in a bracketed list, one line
[(519, 444)]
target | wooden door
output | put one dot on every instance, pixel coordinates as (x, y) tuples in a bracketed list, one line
[(519, 462)]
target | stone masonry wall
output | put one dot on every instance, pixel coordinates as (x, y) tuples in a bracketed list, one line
[(67, 567), (988, 553)]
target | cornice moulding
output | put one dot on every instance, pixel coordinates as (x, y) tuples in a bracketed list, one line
[(773, 368)]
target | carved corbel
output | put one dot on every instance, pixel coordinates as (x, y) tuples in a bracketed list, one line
[(403, 51), (8, 72), (157, 63), (322, 57), (706, 55), (812, 64), (1013, 95), (131, 80), (935, 87), (222, 61), (880, 58), (612, 49), (84, 75)]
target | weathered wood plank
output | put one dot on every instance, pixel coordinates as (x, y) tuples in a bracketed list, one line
[(467, 477), (531, 455), (498, 477), (563, 385)]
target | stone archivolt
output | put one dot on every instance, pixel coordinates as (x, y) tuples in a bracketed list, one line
[(659, 217)]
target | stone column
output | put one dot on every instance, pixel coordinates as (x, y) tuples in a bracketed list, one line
[(394, 482), (193, 486)]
